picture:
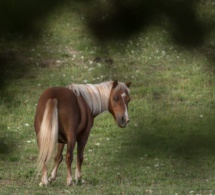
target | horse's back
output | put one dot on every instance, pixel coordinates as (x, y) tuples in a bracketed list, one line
[(58, 93)]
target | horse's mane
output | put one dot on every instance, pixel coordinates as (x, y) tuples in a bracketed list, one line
[(97, 95)]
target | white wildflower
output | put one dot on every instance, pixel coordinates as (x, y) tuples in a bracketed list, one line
[(90, 69), (156, 165)]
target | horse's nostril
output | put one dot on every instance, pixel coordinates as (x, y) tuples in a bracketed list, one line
[(125, 120)]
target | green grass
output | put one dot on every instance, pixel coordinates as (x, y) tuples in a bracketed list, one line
[(169, 145)]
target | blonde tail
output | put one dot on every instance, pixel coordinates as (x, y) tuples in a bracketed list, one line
[(48, 134)]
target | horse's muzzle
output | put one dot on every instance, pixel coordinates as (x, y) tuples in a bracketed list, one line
[(122, 121)]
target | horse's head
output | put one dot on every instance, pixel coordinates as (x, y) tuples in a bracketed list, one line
[(118, 102)]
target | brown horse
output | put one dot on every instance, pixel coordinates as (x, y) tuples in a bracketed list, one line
[(65, 115)]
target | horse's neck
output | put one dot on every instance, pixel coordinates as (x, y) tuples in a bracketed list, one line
[(103, 110), (96, 96), (101, 106)]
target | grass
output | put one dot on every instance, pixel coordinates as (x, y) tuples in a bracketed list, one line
[(169, 145)]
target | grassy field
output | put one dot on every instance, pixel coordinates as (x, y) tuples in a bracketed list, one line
[(169, 144)]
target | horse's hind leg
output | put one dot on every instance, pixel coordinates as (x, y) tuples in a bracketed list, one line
[(44, 179), (69, 158), (58, 159), (80, 155), (80, 158)]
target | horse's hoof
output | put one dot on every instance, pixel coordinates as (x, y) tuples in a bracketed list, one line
[(41, 184), (70, 184), (80, 182), (51, 179)]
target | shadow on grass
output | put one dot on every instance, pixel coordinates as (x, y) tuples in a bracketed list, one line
[(179, 138), (178, 146), (25, 16), (113, 19), (120, 19), (13, 66), (9, 150), (106, 21), (8, 143), (4, 148)]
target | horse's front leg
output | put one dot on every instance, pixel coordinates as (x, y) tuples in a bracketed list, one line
[(58, 159)]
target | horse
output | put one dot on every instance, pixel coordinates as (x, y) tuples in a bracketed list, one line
[(65, 115)]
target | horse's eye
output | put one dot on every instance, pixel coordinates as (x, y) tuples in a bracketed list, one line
[(115, 98)]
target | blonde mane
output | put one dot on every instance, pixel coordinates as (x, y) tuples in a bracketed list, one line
[(97, 95)]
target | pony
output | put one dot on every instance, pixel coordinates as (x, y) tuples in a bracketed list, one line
[(65, 115)]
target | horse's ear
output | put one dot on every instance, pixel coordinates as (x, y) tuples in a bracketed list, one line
[(115, 83), (128, 84)]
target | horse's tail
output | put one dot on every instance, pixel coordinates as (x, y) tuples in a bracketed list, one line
[(48, 134)]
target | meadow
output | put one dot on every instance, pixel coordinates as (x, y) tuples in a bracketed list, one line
[(169, 144)]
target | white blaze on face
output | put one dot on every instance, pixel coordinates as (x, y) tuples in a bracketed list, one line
[(126, 110)]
